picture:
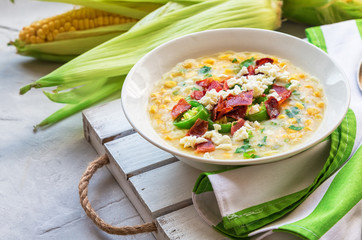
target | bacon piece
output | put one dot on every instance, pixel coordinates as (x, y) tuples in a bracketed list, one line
[(197, 95), (251, 70), (238, 112), (205, 147), (237, 126), (215, 85), (272, 106), (282, 92), (205, 83), (181, 107), (225, 85), (220, 109), (199, 128), (263, 61), (242, 99)]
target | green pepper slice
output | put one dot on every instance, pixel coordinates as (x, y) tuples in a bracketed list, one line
[(189, 118), (259, 116), (225, 127)]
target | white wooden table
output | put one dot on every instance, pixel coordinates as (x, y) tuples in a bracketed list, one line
[(39, 173)]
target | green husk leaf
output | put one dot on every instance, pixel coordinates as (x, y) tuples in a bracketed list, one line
[(319, 12), (114, 58)]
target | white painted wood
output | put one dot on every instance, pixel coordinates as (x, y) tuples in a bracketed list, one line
[(104, 123), (136, 155), (185, 224), (165, 189)]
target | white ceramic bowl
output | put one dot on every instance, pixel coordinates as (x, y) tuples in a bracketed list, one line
[(142, 77)]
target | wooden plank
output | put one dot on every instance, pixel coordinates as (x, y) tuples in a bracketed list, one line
[(104, 123), (165, 189), (185, 224), (135, 155)]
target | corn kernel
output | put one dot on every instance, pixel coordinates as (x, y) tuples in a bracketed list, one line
[(308, 128), (163, 106), (308, 122), (281, 116), (224, 56), (167, 137), (153, 109), (320, 104), (312, 111), (177, 74), (177, 98), (228, 71), (309, 86), (170, 84), (187, 65), (302, 75), (292, 120), (209, 61), (167, 99), (299, 105), (290, 131), (318, 116), (317, 94)]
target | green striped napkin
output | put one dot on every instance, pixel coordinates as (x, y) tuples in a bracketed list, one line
[(315, 196)]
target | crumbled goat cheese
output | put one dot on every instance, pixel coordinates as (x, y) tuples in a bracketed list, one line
[(294, 85), (273, 71), (254, 109), (216, 137), (191, 141), (242, 133), (243, 71), (273, 93), (257, 83), (210, 99)]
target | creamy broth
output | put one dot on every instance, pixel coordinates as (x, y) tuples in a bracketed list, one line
[(270, 105)]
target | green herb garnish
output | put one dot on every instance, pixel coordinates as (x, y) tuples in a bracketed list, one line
[(234, 60), (263, 142), (247, 62), (295, 127), (204, 70)]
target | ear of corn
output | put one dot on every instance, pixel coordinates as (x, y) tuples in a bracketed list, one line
[(63, 37), (114, 58), (319, 12)]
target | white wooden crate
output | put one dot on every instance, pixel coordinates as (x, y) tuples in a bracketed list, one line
[(158, 185)]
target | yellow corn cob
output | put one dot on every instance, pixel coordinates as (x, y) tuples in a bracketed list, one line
[(84, 18)]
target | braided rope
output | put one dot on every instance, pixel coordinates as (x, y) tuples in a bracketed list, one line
[(83, 194)]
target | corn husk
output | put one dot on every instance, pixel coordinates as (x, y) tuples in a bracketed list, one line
[(319, 12), (113, 59)]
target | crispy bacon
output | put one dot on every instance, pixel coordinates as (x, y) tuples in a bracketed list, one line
[(272, 107), (197, 95), (215, 85), (181, 107), (225, 85), (205, 83), (238, 112), (263, 61), (220, 109), (237, 126), (251, 70), (198, 129), (205, 147), (242, 99), (282, 92)]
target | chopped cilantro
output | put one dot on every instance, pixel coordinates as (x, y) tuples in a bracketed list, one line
[(244, 148), (204, 70), (247, 155), (296, 128), (234, 60), (247, 62), (208, 75), (289, 113), (263, 142), (296, 93), (195, 89), (292, 112), (250, 134), (287, 85), (262, 130)]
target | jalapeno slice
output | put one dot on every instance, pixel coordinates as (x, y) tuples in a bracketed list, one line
[(189, 117), (259, 116)]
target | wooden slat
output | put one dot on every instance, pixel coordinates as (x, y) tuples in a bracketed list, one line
[(185, 224), (104, 123)]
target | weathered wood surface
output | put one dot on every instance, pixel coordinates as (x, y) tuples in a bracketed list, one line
[(157, 184)]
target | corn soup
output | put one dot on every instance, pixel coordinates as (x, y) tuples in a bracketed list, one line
[(236, 105)]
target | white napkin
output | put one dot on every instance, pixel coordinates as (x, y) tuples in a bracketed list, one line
[(261, 189)]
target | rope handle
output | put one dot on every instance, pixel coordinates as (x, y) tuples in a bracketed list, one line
[(83, 194)]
